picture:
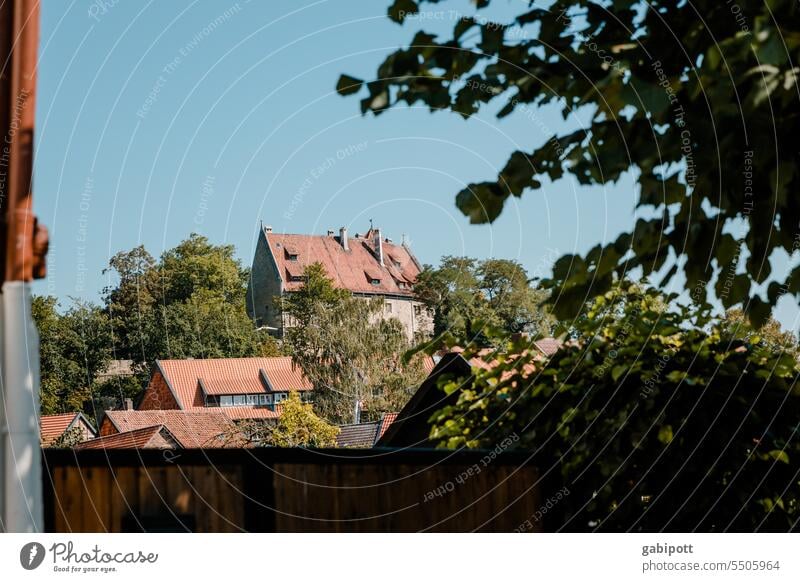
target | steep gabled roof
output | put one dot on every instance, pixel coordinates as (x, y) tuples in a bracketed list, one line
[(187, 378), (360, 435), (207, 428), (348, 269), (52, 426), (141, 438), (386, 422)]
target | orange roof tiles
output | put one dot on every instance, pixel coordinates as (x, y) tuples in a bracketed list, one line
[(386, 422), (224, 375), (249, 413), (346, 268), (238, 385), (52, 426), (208, 428), (142, 438), (549, 345)]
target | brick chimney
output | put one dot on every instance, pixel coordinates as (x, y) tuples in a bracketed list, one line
[(343, 239), (377, 242)]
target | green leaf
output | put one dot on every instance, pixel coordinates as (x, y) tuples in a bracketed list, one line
[(665, 434), (618, 371), (348, 85), (402, 8), (481, 202), (779, 456)]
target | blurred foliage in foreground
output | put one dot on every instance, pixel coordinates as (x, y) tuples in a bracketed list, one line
[(697, 102), (652, 415)]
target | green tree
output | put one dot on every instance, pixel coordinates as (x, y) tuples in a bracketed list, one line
[(299, 426), (75, 346), (188, 304), (463, 292), (654, 417), (697, 102), (70, 438), (771, 334), (348, 352)]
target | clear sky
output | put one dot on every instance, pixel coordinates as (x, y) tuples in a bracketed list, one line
[(160, 118)]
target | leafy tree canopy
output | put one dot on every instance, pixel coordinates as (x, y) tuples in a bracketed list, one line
[(653, 416), (463, 291), (697, 100), (188, 304), (299, 426), (74, 347), (347, 350)]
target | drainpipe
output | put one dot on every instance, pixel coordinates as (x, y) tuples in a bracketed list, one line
[(21, 260)]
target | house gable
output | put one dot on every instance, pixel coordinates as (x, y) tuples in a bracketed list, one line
[(159, 395)]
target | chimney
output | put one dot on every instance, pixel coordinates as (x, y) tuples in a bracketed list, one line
[(128, 404), (378, 244), (330, 233), (343, 238), (268, 229)]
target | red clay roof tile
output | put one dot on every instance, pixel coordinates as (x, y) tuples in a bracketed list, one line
[(346, 268), (142, 438), (183, 376), (207, 428)]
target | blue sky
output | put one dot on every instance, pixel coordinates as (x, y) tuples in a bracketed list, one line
[(158, 119)]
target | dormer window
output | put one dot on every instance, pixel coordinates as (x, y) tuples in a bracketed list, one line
[(374, 277), (291, 253), (295, 273)]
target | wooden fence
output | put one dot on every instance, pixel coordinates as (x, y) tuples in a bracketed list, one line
[(287, 490)]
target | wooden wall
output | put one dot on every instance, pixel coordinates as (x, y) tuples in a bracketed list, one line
[(286, 490)]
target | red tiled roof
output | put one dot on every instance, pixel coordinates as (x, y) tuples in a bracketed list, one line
[(133, 439), (183, 377), (249, 413), (246, 385), (207, 428), (386, 422), (52, 426), (346, 268), (548, 346), (357, 435)]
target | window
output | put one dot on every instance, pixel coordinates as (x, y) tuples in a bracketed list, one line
[(375, 282), (246, 400), (387, 307), (292, 258)]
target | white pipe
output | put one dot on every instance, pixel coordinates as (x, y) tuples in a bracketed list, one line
[(23, 455)]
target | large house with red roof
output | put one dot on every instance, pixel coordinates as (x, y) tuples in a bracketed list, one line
[(241, 388), (367, 265)]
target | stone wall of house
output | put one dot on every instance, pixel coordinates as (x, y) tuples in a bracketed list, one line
[(412, 314), (158, 396), (264, 286)]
